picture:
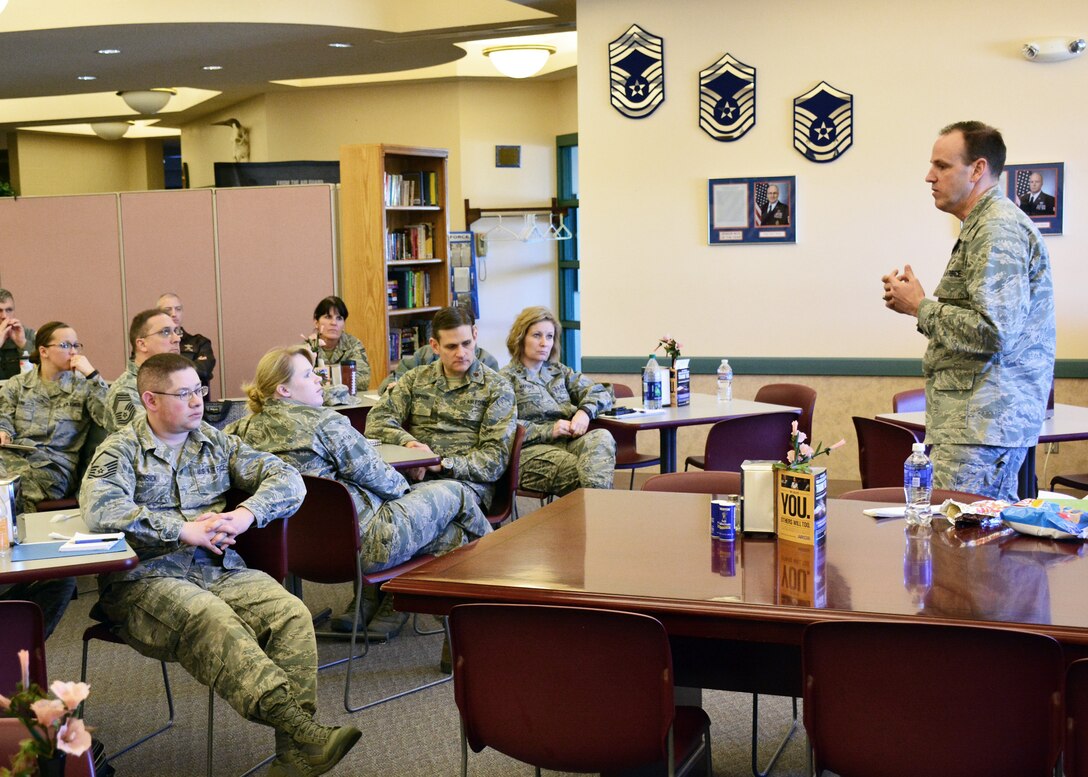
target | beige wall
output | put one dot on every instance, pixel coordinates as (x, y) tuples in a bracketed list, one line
[(69, 164), (912, 67)]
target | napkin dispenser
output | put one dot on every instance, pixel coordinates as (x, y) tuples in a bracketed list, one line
[(757, 488)]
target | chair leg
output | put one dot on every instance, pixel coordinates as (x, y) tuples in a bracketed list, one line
[(755, 738), (211, 729), (424, 632), (464, 752), (631, 485)]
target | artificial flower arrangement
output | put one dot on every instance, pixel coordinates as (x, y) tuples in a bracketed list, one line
[(672, 348), (54, 728), (800, 454)]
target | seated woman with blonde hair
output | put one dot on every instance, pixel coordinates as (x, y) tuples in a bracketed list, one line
[(396, 522), (555, 405)]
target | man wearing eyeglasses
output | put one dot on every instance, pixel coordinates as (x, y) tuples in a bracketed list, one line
[(151, 332), (163, 481), (15, 339), (196, 348)]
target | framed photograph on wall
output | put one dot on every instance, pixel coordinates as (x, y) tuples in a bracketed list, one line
[(1039, 191), (752, 210)]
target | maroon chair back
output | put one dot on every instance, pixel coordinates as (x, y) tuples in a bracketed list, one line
[(264, 549), (732, 441), (323, 536), (502, 503), (912, 401), (882, 449), (356, 416), (563, 688), (1076, 719), (794, 395), (880, 699), (895, 494), (695, 482), (627, 455), (23, 628)]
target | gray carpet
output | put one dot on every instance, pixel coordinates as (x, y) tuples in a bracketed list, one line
[(417, 735)]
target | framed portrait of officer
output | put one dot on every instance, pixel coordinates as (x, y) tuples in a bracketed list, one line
[(1037, 189)]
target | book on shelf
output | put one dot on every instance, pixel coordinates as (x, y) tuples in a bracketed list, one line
[(411, 242), (425, 187), (412, 288)]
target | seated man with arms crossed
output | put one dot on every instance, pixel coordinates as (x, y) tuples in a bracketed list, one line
[(151, 332), (456, 407), (162, 480)]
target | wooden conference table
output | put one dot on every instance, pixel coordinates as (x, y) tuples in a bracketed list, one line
[(1069, 423), (703, 409), (736, 615)]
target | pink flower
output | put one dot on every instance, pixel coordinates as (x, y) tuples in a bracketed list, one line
[(789, 456), (48, 711), (24, 667), (801, 436), (839, 444), (793, 428), (806, 451), (73, 737), (72, 694), (5, 703)]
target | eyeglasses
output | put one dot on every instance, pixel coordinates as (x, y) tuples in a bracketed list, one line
[(67, 346), (185, 394), (166, 331)]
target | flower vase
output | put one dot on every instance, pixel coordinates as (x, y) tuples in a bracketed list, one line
[(51, 766)]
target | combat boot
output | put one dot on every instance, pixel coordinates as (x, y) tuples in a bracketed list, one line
[(304, 747), (342, 623), (386, 622)]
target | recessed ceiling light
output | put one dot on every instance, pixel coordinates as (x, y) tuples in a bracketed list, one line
[(86, 78), (212, 67), (109, 51), (340, 45)]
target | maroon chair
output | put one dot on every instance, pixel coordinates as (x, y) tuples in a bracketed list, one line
[(356, 415), (905, 699), (882, 449), (789, 394), (328, 513), (627, 455), (12, 732), (23, 629), (895, 494), (571, 689), (1076, 719), (1075, 482), (504, 503), (912, 401), (731, 442), (695, 482)]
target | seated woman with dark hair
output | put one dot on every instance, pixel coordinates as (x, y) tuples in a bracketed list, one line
[(555, 405), (396, 522), (51, 409), (337, 346)]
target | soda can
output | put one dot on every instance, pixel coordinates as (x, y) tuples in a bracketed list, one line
[(723, 519)]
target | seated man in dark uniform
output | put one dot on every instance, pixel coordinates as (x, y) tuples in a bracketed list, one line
[(195, 348)]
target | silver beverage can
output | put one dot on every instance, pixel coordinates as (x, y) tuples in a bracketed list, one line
[(9, 498)]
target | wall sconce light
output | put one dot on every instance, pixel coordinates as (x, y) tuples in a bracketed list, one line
[(1053, 49), (519, 61), (110, 130), (147, 101)]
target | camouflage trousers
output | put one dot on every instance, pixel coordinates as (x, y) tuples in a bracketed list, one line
[(436, 517), (564, 465), (36, 484), (987, 470), (236, 631)]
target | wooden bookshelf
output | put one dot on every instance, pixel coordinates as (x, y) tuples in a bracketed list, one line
[(366, 223)]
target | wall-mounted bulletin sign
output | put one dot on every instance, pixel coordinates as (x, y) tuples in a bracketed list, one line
[(752, 210), (1039, 190), (727, 99), (636, 66), (823, 123)]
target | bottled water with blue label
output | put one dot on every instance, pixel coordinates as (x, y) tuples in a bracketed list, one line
[(918, 485), (651, 384), (725, 382)]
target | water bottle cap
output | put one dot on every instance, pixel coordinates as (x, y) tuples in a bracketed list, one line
[(918, 447)]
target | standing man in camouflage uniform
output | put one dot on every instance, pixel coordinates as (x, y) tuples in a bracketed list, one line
[(456, 407), (395, 522), (555, 405), (15, 339), (990, 359), (196, 348), (162, 480), (151, 332)]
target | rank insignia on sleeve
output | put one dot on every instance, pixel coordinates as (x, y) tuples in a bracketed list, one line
[(636, 63), (823, 123), (104, 466), (727, 99), (123, 409)]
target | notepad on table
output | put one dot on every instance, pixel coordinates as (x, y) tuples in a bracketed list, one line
[(81, 542)]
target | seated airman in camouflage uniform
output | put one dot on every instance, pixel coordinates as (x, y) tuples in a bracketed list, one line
[(51, 408), (151, 332), (337, 346), (425, 355), (162, 480), (455, 407), (555, 405), (395, 522)]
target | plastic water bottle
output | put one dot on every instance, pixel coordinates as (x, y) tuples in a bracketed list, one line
[(25, 364), (918, 486), (918, 565), (651, 384), (725, 382)]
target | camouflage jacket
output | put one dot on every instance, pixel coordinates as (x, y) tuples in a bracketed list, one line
[(322, 442), (53, 415), (133, 486), (425, 355), (471, 426), (350, 348), (123, 400), (555, 393), (990, 360)]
